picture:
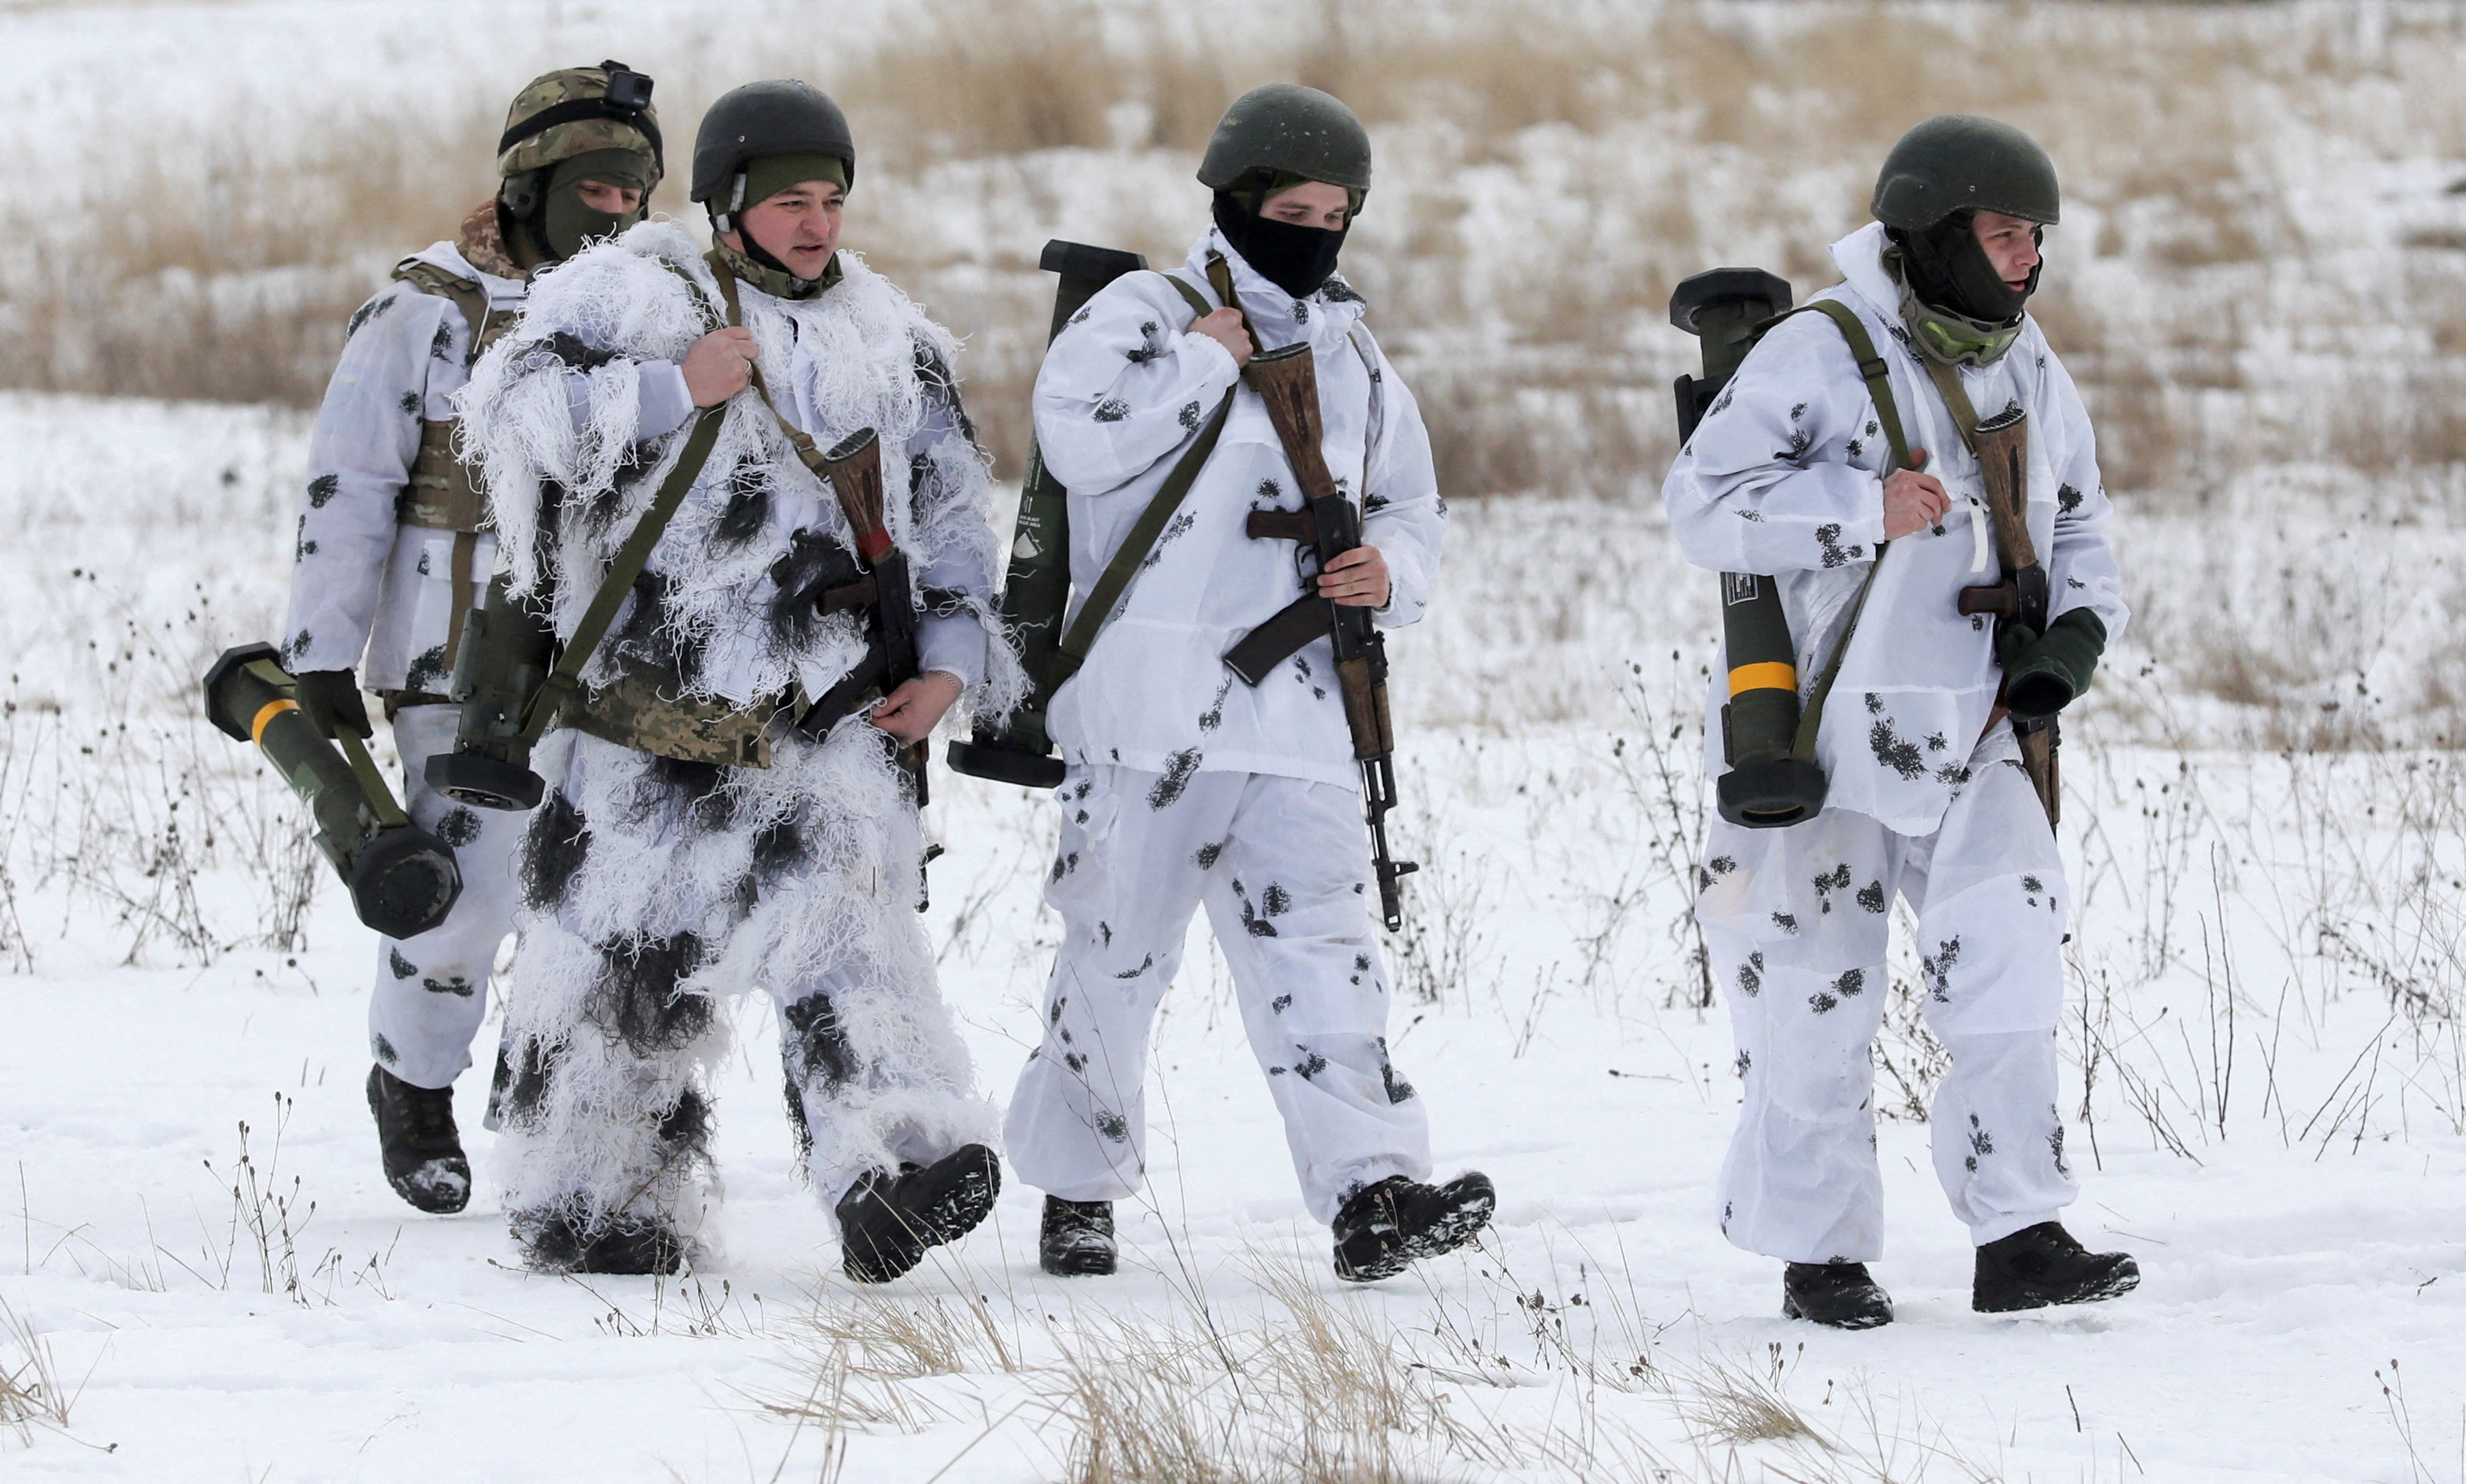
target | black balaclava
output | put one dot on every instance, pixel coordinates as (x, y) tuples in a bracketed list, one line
[(1295, 258), (1948, 270)]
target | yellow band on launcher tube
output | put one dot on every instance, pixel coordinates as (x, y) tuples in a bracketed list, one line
[(1769, 676), (265, 715)]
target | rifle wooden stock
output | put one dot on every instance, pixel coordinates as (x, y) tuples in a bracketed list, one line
[(854, 468), (1286, 380), (1365, 710), (2002, 443)]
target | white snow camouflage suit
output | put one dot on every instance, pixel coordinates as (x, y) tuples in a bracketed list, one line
[(369, 585), (1926, 801), (1187, 786), (653, 889)]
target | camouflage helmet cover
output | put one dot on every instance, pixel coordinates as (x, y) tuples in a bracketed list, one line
[(1962, 162), (1286, 128), (585, 119)]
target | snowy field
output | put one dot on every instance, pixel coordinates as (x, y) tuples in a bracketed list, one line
[(203, 1275)]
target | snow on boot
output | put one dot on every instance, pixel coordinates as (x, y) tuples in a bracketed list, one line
[(1382, 1229), (1078, 1238), (576, 1238), (2042, 1265), (1838, 1293), (421, 1147), (887, 1221)]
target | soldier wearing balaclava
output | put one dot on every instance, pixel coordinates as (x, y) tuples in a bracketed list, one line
[(1838, 462), (393, 545)]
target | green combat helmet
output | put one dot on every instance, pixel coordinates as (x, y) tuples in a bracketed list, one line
[(574, 124), (1958, 162), (1933, 182), (1284, 133)]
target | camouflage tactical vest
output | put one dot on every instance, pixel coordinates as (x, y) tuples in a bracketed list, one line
[(442, 496)]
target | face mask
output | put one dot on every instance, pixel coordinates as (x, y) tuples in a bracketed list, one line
[(1955, 306), (550, 216), (1297, 259)]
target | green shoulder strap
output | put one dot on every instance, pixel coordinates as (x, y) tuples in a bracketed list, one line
[(1873, 370), (1142, 539), (564, 682)]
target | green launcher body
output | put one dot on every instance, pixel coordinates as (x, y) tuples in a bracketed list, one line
[(507, 650), (402, 880), (1036, 590), (1773, 782)]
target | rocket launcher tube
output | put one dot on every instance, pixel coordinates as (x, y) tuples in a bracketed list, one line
[(402, 880), (1036, 589), (506, 650), (1767, 785)]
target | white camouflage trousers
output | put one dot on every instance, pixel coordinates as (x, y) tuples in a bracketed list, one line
[(1283, 867), (1797, 920), (431, 991)]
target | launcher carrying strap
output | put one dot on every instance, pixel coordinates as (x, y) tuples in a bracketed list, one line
[(1098, 607), (1875, 372)]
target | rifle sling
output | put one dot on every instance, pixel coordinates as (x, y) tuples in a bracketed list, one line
[(1098, 605), (564, 683)]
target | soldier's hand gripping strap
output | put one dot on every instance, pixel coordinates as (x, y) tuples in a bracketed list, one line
[(1098, 606)]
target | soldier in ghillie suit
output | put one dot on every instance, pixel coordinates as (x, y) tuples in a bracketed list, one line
[(714, 821), (1187, 786), (1804, 468), (393, 544)]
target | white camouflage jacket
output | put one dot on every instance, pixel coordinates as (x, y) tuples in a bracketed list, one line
[(364, 586), (1784, 477), (1124, 391)]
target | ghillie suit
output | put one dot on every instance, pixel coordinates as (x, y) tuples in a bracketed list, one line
[(657, 886)]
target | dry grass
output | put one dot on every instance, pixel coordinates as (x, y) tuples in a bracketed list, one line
[(30, 1392), (1547, 174)]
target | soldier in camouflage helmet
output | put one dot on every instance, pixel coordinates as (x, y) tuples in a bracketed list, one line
[(392, 546), (725, 810)]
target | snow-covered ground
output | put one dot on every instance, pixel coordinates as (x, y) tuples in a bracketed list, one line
[(2267, 972), (2266, 1050)]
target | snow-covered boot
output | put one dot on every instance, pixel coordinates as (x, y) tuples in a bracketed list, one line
[(1382, 1229), (887, 1221), (421, 1147), (576, 1238), (1839, 1294), (1078, 1238), (2042, 1265)]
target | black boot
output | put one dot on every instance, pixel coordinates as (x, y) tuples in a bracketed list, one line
[(1838, 1293), (887, 1221), (574, 1237), (1078, 1238), (1382, 1229), (421, 1147), (2042, 1265)]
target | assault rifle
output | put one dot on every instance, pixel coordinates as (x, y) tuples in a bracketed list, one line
[(1286, 380), (2002, 443), (853, 469)]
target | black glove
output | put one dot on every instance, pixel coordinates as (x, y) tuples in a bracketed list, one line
[(2043, 672), (330, 698)]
